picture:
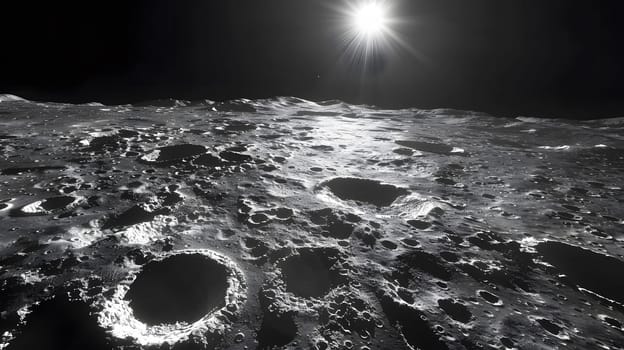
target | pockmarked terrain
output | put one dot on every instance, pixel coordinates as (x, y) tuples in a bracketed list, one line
[(284, 223)]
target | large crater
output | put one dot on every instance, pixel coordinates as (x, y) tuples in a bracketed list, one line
[(180, 288), (364, 190), (312, 272)]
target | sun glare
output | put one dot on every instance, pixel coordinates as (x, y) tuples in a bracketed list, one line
[(369, 19), (371, 31)]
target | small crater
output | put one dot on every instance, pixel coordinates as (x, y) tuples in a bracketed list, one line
[(437, 148), (388, 244), (209, 161), (106, 144), (258, 219), (237, 148), (127, 134), (585, 268), (485, 273), (234, 106), (323, 148), (410, 242), (317, 113), (180, 288), (56, 203), (249, 214), (139, 256), (412, 323), (282, 213), (25, 170), (419, 224), (276, 330), (611, 321), (135, 215), (44, 207), (348, 313), (403, 151), (422, 261), (458, 312), (173, 154), (60, 265), (60, 324), (508, 343), (235, 126), (365, 190), (490, 298), (255, 247), (135, 184), (312, 273), (334, 223), (235, 157), (406, 295), (549, 326), (445, 181), (449, 256)]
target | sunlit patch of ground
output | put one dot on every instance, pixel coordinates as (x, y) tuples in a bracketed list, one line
[(283, 222)]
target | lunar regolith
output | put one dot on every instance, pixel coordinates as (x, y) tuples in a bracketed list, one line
[(284, 223)]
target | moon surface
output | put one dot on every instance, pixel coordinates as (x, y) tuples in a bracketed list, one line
[(285, 223)]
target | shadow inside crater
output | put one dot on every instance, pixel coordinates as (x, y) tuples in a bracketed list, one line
[(180, 288)]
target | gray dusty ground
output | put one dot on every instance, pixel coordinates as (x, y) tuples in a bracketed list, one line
[(287, 223)]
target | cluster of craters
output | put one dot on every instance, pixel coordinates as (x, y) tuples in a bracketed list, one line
[(183, 298), (288, 224)]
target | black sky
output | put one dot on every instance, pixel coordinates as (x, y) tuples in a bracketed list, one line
[(509, 57)]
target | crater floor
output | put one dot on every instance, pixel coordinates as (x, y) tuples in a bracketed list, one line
[(284, 223)]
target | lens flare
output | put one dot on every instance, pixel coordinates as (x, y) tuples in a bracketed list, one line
[(371, 32), (369, 19)]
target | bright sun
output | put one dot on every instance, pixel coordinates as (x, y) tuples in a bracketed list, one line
[(370, 31), (369, 19)]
